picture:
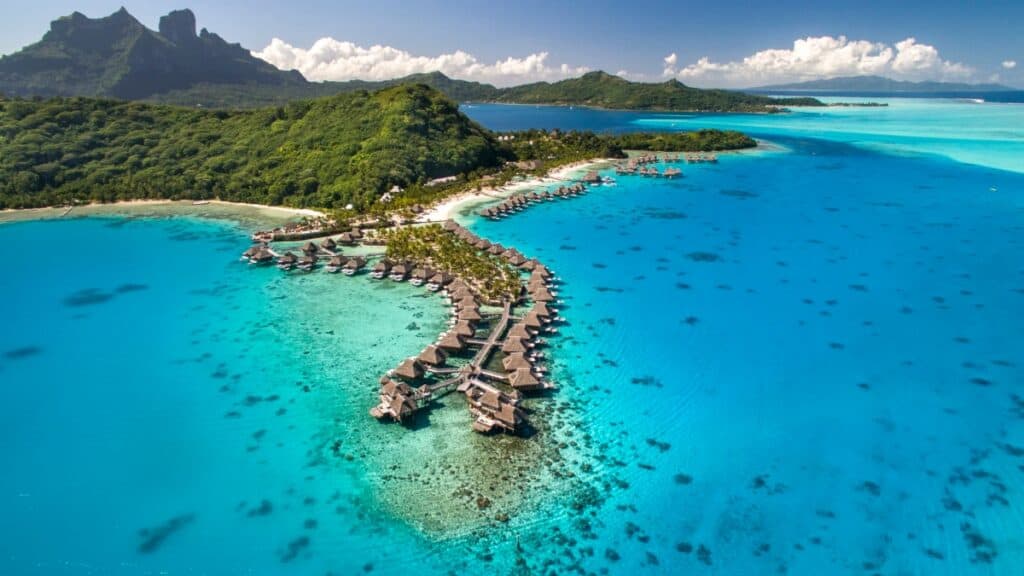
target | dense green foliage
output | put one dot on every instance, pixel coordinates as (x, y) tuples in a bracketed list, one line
[(326, 153), (696, 141), (493, 277), (603, 90)]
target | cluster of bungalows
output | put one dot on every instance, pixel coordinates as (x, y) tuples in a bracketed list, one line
[(407, 387), (701, 158), (311, 255), (521, 201), (640, 166)]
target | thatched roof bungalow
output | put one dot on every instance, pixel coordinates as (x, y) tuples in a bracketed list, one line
[(432, 356), (409, 369)]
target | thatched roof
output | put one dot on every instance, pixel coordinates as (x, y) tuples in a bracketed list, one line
[(452, 341), (329, 244), (382, 266), (541, 309), (355, 263), (337, 261), (514, 361), (310, 247), (467, 302), (509, 414), (522, 378), (491, 398), (543, 295), (392, 387), (432, 355), (451, 225), (519, 330), (532, 320), (402, 406), (464, 328), (513, 345), (288, 258), (409, 369), (470, 314)]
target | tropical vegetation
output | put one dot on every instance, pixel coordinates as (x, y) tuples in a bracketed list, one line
[(333, 152), (492, 276)]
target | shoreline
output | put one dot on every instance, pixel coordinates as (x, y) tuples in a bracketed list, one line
[(450, 207), (208, 208)]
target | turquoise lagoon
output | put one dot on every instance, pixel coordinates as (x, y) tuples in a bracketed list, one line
[(807, 361)]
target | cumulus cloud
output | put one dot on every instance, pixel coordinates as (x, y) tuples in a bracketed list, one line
[(1009, 64), (823, 57), (330, 59)]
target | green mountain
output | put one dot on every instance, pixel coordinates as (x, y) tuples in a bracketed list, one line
[(119, 57), (330, 152), (603, 90), (879, 84)]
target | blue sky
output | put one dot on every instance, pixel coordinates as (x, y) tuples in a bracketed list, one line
[(952, 40)]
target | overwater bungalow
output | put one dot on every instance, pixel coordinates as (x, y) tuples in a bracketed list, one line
[(452, 342), (515, 361), (516, 259), (252, 251), (533, 321), (512, 345), (432, 356), (310, 248), (346, 239), (307, 262), (354, 265), (496, 249), (523, 379), (262, 256), (591, 177), (470, 314), (420, 275), (399, 272), (288, 261), (494, 409), (672, 172), (397, 401), (438, 281), (463, 328), (381, 269), (541, 309), (519, 330), (467, 301), (329, 245), (483, 244), (335, 264), (543, 295), (410, 369)]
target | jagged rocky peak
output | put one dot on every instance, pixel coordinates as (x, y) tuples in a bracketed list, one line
[(179, 26)]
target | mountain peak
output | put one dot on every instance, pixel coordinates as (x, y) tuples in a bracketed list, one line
[(178, 26)]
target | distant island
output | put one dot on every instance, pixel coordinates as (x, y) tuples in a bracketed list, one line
[(342, 152), (116, 56), (880, 84)]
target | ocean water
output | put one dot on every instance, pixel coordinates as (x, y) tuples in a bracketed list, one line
[(807, 360)]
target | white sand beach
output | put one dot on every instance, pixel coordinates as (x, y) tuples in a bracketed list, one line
[(450, 207)]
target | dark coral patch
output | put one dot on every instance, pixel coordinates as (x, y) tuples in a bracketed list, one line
[(153, 538)]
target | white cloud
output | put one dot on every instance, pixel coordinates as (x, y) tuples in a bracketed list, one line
[(1009, 64), (330, 59), (823, 57), (670, 64)]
